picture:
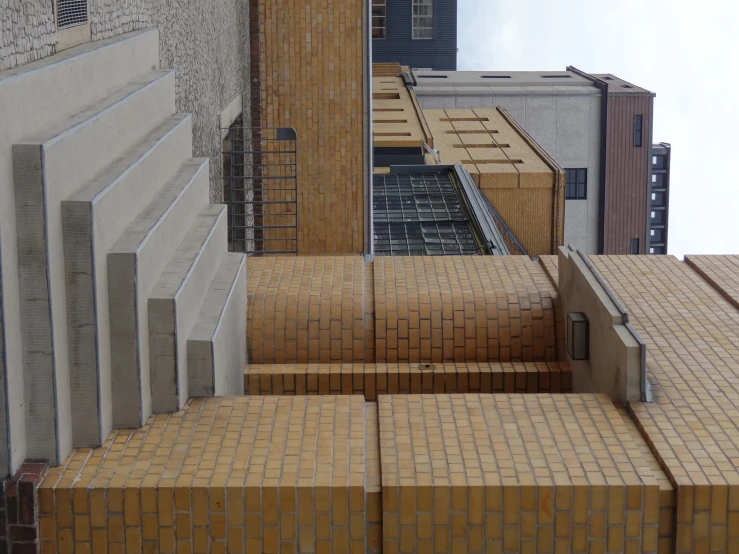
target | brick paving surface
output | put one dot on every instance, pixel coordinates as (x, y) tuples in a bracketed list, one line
[(372, 380), (692, 337), (513, 473)]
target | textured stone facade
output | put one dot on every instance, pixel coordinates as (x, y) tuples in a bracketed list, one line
[(27, 31), (206, 43)]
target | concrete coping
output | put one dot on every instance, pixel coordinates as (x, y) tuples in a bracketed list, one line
[(617, 361)]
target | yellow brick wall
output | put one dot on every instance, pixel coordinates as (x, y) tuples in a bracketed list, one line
[(230, 474), (308, 308), (527, 213), (388, 69), (691, 331), (311, 79), (408, 309), (463, 308)]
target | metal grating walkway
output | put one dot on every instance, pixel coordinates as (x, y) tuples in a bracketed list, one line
[(420, 214)]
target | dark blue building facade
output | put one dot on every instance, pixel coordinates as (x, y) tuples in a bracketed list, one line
[(421, 34)]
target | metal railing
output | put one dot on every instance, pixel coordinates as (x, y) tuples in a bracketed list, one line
[(260, 189)]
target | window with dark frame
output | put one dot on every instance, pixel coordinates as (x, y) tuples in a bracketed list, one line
[(379, 20), (638, 131), (576, 187), (423, 19), (634, 246)]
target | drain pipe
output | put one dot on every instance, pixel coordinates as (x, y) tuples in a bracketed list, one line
[(369, 243)]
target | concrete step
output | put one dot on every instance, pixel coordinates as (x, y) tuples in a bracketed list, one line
[(34, 97), (134, 265), (93, 219), (216, 348), (175, 302), (47, 169)]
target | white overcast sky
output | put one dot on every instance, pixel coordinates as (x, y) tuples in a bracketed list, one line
[(685, 51)]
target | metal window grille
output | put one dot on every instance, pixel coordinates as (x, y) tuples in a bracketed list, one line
[(71, 13), (379, 21), (420, 214), (423, 19), (260, 190)]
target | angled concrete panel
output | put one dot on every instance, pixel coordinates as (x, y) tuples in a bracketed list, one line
[(174, 304), (134, 265), (93, 219), (216, 348)]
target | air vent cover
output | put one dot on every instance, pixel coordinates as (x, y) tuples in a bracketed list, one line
[(71, 13)]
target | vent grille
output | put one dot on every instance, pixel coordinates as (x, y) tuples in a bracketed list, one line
[(71, 13)]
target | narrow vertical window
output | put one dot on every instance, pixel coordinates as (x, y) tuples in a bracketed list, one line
[(638, 130), (576, 186), (379, 20), (423, 19), (634, 246)]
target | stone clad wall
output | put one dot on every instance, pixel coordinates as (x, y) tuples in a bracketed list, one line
[(27, 32), (206, 43)]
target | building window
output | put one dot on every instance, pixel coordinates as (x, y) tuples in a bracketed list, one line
[(577, 184), (495, 76), (554, 76), (379, 26), (638, 131), (634, 246), (658, 162), (423, 19)]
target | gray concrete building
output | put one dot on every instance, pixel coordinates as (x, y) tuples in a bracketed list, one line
[(567, 113)]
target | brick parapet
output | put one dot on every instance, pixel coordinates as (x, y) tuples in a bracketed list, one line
[(412, 309), (19, 509), (374, 380)]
